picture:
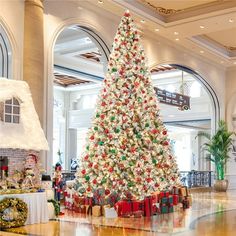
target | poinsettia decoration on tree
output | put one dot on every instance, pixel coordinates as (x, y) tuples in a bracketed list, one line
[(127, 150)]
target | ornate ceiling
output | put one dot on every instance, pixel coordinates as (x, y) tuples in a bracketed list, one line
[(205, 27)]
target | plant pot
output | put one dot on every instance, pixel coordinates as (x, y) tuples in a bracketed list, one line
[(221, 185)]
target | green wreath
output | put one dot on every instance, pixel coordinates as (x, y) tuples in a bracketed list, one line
[(13, 213)]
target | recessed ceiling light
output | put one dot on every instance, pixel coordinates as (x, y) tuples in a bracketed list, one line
[(231, 20), (157, 30), (221, 62), (176, 33), (201, 51), (177, 39), (100, 1), (142, 21), (235, 63), (202, 26), (80, 8)]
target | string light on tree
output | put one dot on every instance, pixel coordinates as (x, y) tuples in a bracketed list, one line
[(127, 147)]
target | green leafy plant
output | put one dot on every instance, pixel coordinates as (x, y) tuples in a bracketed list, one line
[(56, 205), (218, 147)]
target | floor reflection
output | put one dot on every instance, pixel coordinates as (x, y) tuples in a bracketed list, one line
[(211, 214)]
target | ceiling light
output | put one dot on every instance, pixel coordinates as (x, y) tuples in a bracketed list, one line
[(221, 62), (157, 30), (202, 27), (201, 51), (142, 21), (176, 33), (80, 8), (235, 63), (177, 39), (231, 20), (100, 1)]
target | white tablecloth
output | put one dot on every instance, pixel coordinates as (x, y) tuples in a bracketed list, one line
[(37, 206)]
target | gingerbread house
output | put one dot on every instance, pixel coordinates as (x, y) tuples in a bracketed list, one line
[(20, 129)]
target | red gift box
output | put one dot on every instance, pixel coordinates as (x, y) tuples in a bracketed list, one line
[(137, 205), (148, 206), (88, 201), (124, 208), (164, 194), (175, 199), (80, 209), (79, 200)]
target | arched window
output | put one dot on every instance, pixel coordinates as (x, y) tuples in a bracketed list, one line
[(12, 111), (5, 55)]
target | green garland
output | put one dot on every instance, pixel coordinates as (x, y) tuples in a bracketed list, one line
[(18, 207), (56, 205)]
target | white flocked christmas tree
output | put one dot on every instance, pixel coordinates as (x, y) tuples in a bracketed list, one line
[(127, 149)]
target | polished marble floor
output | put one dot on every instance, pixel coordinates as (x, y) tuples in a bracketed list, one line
[(211, 214)]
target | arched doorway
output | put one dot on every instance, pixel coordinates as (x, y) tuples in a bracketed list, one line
[(5, 55), (185, 124), (80, 59)]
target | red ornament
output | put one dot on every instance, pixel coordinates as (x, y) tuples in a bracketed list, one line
[(157, 185), (92, 137), (88, 189), (164, 132), (148, 180), (103, 104), (102, 116), (138, 180), (132, 149), (83, 171), (90, 164), (111, 169), (94, 181), (106, 131), (104, 155), (173, 178), (107, 191), (95, 166), (165, 143), (86, 157), (154, 131)]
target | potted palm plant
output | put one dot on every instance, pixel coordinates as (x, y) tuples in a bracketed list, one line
[(217, 149)]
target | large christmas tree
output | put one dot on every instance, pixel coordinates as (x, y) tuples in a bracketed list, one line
[(127, 147)]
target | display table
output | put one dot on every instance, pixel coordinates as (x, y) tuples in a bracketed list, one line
[(37, 206)]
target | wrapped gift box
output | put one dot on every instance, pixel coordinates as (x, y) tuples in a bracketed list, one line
[(80, 209), (99, 197), (88, 201), (175, 190), (171, 208), (78, 200), (124, 208), (96, 210), (148, 205), (164, 194), (164, 208), (112, 199), (164, 200), (110, 212), (185, 203), (175, 199)]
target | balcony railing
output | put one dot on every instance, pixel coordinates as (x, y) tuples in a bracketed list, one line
[(196, 178), (188, 178)]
